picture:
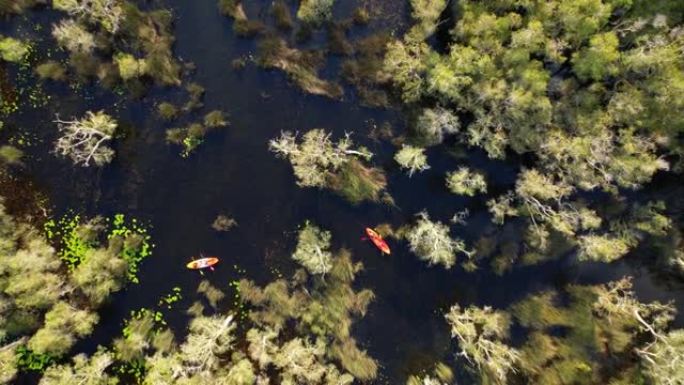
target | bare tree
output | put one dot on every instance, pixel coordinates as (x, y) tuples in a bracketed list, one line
[(431, 242), (412, 159), (316, 156), (663, 355), (480, 332), (313, 249), (85, 140)]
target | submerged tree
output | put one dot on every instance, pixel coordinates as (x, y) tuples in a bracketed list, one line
[(318, 161), (209, 338), (432, 242), (441, 375), (50, 303), (107, 13), (412, 159), (13, 50), (481, 333), (63, 324), (294, 332), (73, 36), (604, 326), (434, 124), (466, 182), (427, 15), (85, 140), (315, 11), (322, 315), (84, 370), (608, 122), (312, 250)]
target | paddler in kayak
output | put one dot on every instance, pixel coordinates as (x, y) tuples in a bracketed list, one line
[(377, 240), (203, 263)]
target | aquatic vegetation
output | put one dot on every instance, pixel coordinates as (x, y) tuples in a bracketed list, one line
[(300, 66), (223, 223), (51, 70), (107, 13), (434, 123), (192, 136), (232, 8), (603, 324), (466, 182), (115, 41), (664, 358), (441, 375), (319, 162), (412, 159), (361, 16), (171, 298), (85, 140), (63, 324), (500, 69), (480, 333), (364, 69), (195, 96), (16, 6), (338, 44), (324, 312), (167, 111), (84, 370), (28, 360), (212, 293), (10, 155), (427, 15), (577, 103), (315, 11), (312, 250), (357, 182), (431, 242), (215, 119), (73, 37), (13, 50), (46, 306), (281, 14), (242, 25), (127, 244), (129, 66)]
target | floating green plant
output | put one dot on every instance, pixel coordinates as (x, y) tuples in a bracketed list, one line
[(169, 299), (71, 244), (76, 239), (32, 361), (136, 245)]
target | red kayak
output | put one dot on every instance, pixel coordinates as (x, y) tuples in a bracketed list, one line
[(377, 240), (202, 263)]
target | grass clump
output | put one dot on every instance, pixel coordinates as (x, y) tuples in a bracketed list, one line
[(167, 111), (282, 15), (51, 70), (357, 182), (300, 66)]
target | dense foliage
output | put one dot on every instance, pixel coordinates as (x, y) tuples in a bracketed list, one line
[(49, 296), (591, 89), (318, 161)]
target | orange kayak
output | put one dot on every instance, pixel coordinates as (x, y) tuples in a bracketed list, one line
[(377, 240), (202, 263)]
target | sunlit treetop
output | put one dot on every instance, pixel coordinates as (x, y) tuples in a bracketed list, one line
[(85, 141)]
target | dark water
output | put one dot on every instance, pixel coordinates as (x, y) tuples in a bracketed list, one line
[(233, 173)]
